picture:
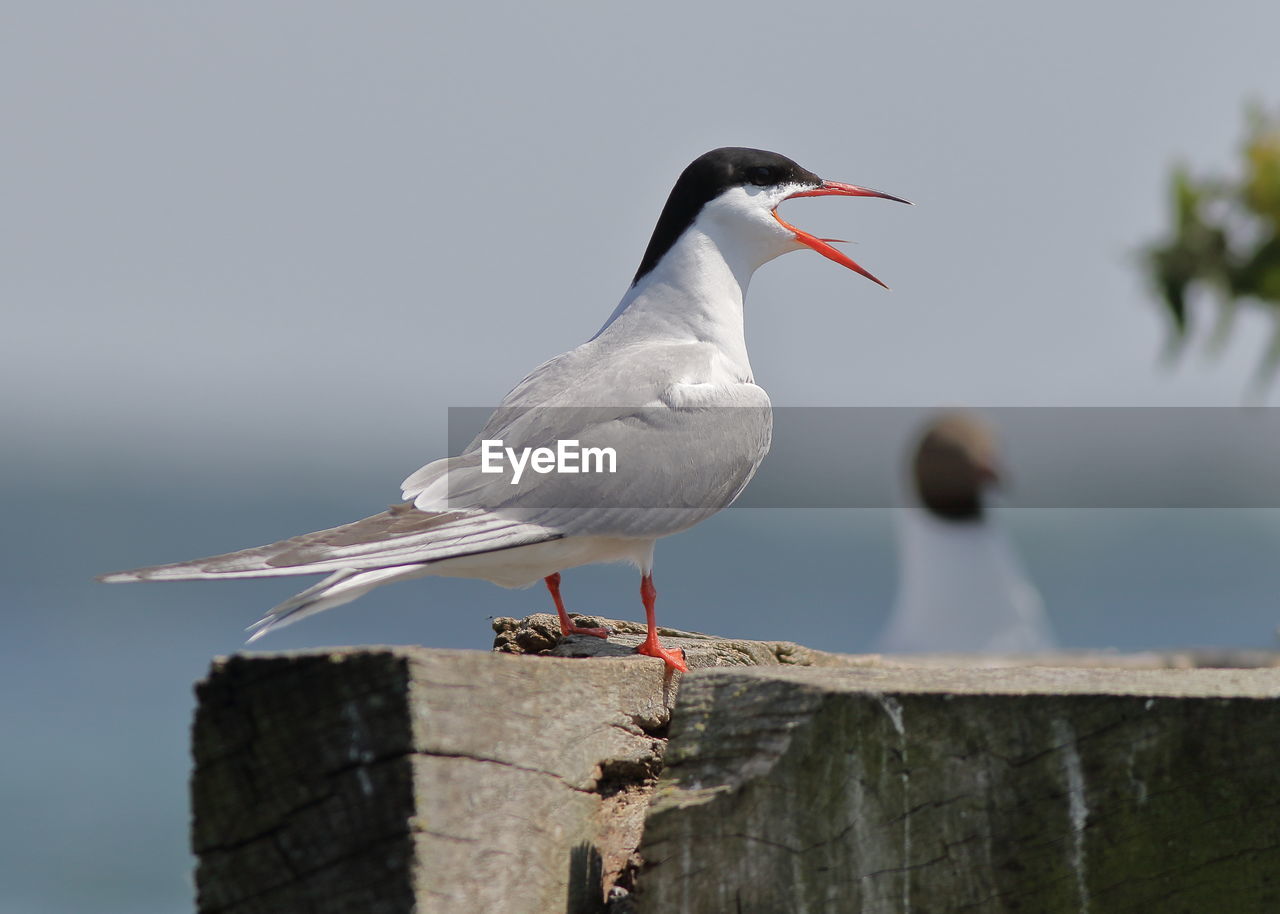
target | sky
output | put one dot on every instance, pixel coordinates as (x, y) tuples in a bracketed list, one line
[(315, 228), (251, 253)]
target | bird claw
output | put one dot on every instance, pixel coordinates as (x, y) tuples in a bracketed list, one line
[(675, 660), (573, 629)]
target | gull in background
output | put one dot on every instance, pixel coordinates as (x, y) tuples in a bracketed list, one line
[(961, 587), (666, 382)]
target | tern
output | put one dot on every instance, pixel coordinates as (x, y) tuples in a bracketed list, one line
[(961, 586), (666, 382)]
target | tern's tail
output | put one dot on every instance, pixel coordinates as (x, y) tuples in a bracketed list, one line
[(403, 542), (403, 535), (338, 588)]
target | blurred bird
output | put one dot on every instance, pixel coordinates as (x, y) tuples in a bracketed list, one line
[(961, 587), (671, 391)]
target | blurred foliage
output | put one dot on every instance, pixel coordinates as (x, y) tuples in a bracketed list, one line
[(1225, 239)]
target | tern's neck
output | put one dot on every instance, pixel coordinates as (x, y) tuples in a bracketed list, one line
[(694, 292)]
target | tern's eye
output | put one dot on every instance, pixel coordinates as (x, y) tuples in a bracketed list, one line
[(761, 176)]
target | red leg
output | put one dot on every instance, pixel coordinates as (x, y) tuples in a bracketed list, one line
[(567, 627), (651, 646)]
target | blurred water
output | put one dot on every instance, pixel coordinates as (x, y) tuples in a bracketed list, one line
[(96, 696)]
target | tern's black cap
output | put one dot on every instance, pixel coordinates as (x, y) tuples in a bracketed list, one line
[(707, 177)]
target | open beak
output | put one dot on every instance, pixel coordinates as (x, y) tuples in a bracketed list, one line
[(822, 245)]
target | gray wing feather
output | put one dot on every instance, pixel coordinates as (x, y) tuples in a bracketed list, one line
[(401, 535), (685, 448)]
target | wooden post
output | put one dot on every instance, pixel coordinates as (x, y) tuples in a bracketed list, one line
[(935, 790), (398, 780), (375, 779)]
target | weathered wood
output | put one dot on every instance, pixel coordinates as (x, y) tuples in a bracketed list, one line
[(933, 790), (381, 779), (387, 780), (375, 779), (540, 634)]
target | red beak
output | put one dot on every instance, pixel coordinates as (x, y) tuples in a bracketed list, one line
[(834, 188)]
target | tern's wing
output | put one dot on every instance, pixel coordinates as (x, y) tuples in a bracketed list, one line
[(683, 452), (402, 535), (680, 452)]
